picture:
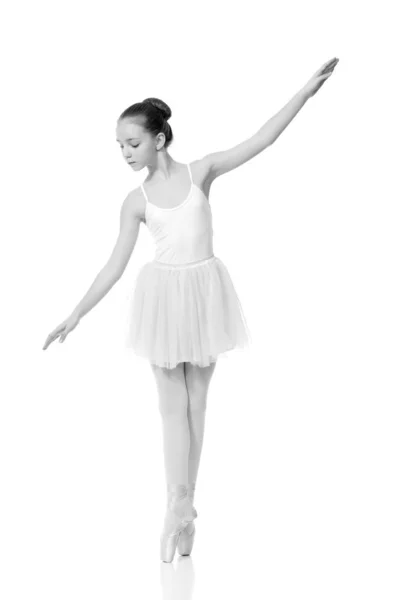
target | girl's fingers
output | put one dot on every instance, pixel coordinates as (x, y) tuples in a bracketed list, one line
[(53, 336), (328, 65), (63, 336), (327, 69), (47, 343), (330, 62), (57, 331)]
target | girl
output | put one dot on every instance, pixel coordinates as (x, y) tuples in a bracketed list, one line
[(185, 310)]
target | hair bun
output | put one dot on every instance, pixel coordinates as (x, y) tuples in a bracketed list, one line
[(159, 105)]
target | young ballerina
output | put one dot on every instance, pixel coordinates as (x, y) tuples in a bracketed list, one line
[(185, 310)]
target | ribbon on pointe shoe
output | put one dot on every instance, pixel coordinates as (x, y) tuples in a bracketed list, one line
[(180, 508), (191, 489)]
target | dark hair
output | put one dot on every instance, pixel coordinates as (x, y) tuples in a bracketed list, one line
[(156, 114)]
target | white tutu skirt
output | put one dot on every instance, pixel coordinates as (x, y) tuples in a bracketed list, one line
[(185, 313)]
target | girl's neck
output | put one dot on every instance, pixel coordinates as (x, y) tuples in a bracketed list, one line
[(163, 171)]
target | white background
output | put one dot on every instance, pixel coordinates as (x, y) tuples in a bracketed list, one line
[(298, 488)]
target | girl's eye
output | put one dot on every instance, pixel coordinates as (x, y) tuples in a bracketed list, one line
[(131, 145)]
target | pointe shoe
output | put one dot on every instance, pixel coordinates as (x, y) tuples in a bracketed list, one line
[(186, 538), (179, 515)]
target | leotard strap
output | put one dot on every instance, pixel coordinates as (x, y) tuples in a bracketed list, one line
[(190, 173), (145, 195)]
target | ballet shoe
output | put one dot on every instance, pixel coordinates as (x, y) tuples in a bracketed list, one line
[(186, 538), (179, 514)]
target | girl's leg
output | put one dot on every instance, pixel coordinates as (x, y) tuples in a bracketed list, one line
[(197, 383), (173, 406)]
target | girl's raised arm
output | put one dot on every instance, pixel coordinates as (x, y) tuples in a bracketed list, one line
[(219, 163)]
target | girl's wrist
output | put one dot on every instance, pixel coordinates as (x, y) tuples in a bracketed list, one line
[(76, 313), (304, 94)]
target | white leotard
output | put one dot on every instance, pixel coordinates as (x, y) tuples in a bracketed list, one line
[(182, 234)]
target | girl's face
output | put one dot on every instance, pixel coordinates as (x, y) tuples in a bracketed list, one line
[(138, 147)]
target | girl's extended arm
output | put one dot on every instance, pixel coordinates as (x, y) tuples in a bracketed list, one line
[(109, 274), (219, 163)]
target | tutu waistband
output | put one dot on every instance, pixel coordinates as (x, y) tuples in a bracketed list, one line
[(197, 263)]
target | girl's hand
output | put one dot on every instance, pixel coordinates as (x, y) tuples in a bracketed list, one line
[(319, 77), (62, 330)]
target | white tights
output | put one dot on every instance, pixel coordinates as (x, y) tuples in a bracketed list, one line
[(182, 403)]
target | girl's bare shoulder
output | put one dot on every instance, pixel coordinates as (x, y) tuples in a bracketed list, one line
[(137, 203)]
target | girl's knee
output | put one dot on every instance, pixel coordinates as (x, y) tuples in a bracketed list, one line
[(198, 402)]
